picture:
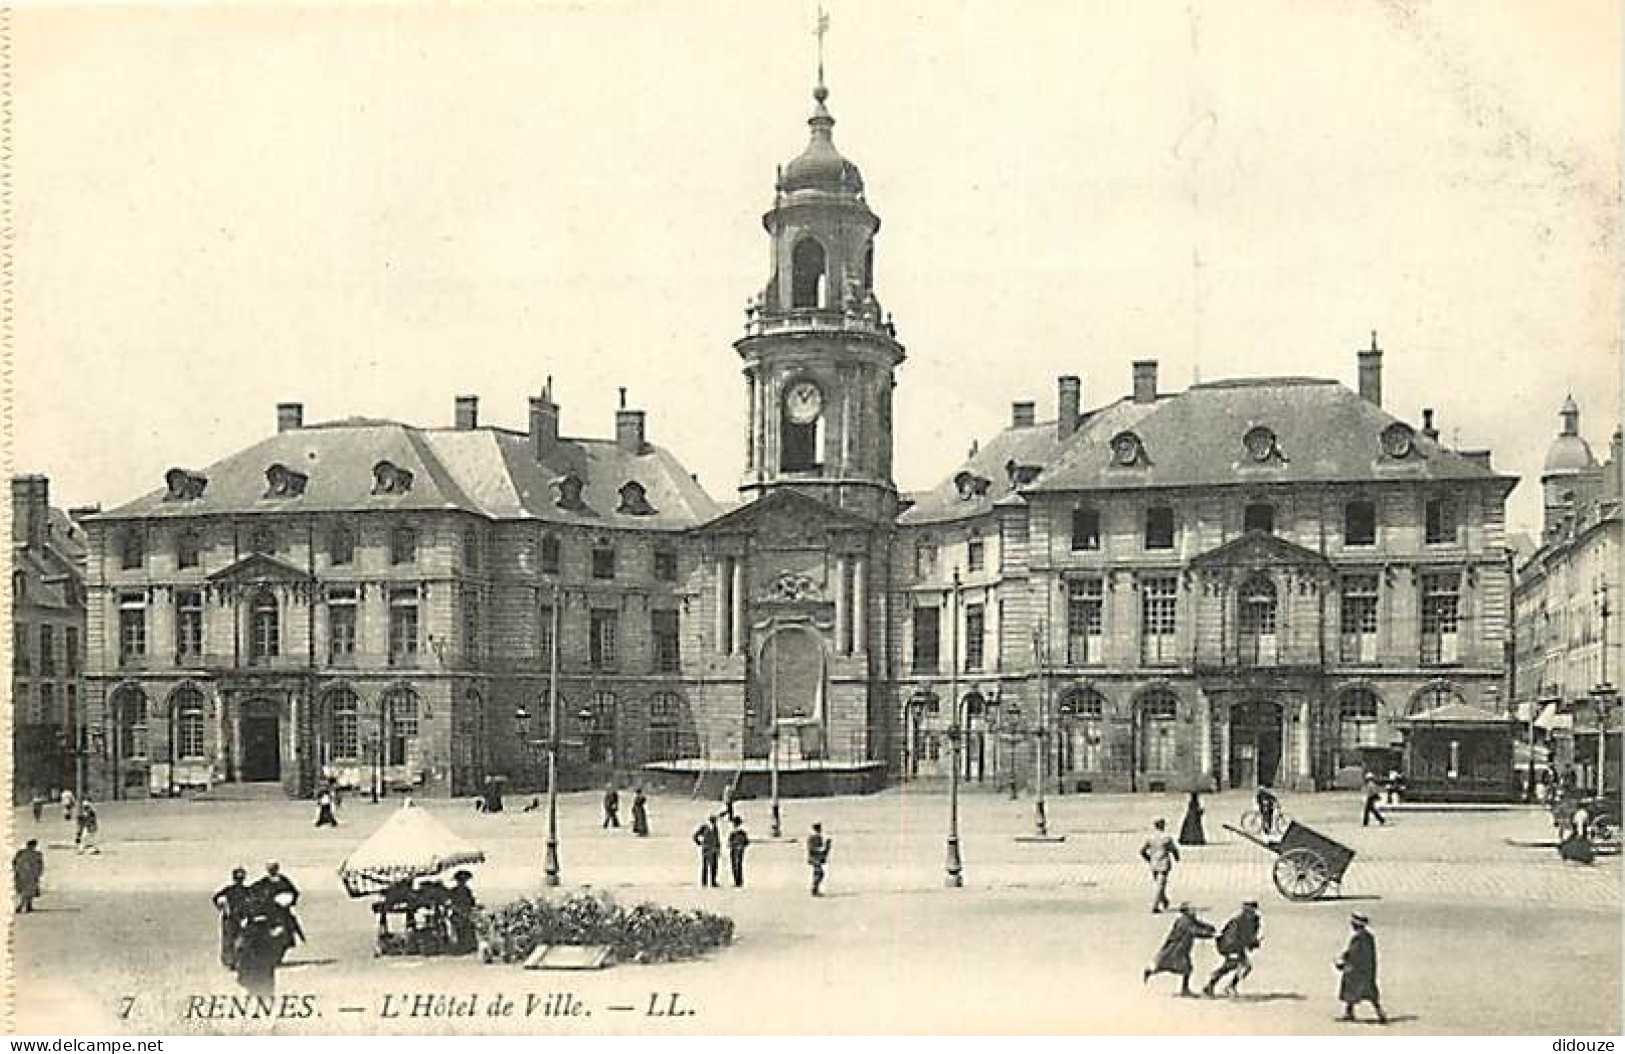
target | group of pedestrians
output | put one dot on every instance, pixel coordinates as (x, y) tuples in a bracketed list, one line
[(79, 812), (640, 810), (708, 839), (257, 926)]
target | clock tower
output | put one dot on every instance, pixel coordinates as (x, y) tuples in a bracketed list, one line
[(819, 353)]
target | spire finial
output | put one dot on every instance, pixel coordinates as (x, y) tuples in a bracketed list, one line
[(1374, 341), (820, 92)]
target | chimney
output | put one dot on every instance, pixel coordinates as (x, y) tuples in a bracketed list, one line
[(544, 423), (628, 428), (1427, 424), (1022, 414), (466, 415), (1145, 380), (290, 416), (1068, 403), (30, 510), (1371, 373)]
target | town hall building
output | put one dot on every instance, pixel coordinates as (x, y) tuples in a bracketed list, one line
[(1250, 581)]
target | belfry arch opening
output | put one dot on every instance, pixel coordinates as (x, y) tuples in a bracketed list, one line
[(809, 281)]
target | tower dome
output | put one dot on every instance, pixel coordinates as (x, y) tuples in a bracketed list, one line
[(1569, 452), (821, 166)]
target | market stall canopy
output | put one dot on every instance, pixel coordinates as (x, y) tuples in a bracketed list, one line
[(1551, 720), (410, 844)]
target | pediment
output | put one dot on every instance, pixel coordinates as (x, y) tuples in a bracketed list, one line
[(1258, 549), (258, 567), (787, 518)]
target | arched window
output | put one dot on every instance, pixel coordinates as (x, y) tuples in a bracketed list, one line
[(1159, 743), (1357, 708), (869, 266), (344, 734), (188, 709), (601, 720), (400, 725), (264, 627), (665, 726), (809, 285), (130, 711), (1434, 696), (1082, 745), (1256, 619)]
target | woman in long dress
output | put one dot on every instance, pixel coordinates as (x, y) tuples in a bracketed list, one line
[(640, 814), (1190, 831)]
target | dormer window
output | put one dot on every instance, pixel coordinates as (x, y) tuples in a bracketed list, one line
[(634, 500), (1128, 451), (1399, 441), (1021, 475), (183, 485), (390, 478), (283, 482), (1262, 446), (567, 493), (970, 485)]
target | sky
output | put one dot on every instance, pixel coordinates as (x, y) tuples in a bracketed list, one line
[(371, 209)]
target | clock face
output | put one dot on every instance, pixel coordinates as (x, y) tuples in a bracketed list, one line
[(803, 402)]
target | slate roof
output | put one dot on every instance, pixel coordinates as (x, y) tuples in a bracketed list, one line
[(1325, 432), (47, 570), (1035, 445), (488, 472)]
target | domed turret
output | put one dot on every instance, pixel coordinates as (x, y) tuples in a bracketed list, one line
[(1569, 452), (821, 166)]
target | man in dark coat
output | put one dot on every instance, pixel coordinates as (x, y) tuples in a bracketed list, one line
[(1358, 964), (275, 894), (738, 841), (27, 868), (264, 939), (1238, 937), (1175, 954), (232, 903), (817, 857), (710, 843), (612, 807)]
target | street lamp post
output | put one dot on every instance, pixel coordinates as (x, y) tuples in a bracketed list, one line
[(953, 866), (551, 860), (1041, 653), (1603, 693), (773, 743)]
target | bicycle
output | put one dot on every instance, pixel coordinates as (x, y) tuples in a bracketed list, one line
[(1252, 821)]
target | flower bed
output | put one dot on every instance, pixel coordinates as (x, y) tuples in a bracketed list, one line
[(644, 933)]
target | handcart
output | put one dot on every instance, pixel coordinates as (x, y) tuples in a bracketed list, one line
[(1307, 862)]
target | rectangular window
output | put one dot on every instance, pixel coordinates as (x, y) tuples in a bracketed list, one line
[(21, 657), (1085, 529), (544, 632), (341, 623), (1360, 523), (188, 626), (471, 626), (403, 545), (403, 627), (665, 714), (927, 639), (1084, 604), (189, 733), (975, 632), (1159, 527), (1441, 612), (132, 550), (602, 642), (668, 659), (1358, 619), (132, 628), (47, 651), (1159, 619), (47, 705), (666, 565), (70, 650), (186, 550), (925, 559), (1441, 521), (341, 546), (603, 562), (1258, 517), (550, 554), (974, 554)]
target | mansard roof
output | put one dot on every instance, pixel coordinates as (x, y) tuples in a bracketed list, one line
[(1323, 433), (487, 472)]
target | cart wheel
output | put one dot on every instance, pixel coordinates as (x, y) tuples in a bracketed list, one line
[(1300, 874), (1251, 822)]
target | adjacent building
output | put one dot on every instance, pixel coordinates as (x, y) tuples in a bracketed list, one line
[(1567, 598), (47, 640), (1248, 581)]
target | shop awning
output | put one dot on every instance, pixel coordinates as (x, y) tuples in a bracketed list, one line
[(1552, 721)]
